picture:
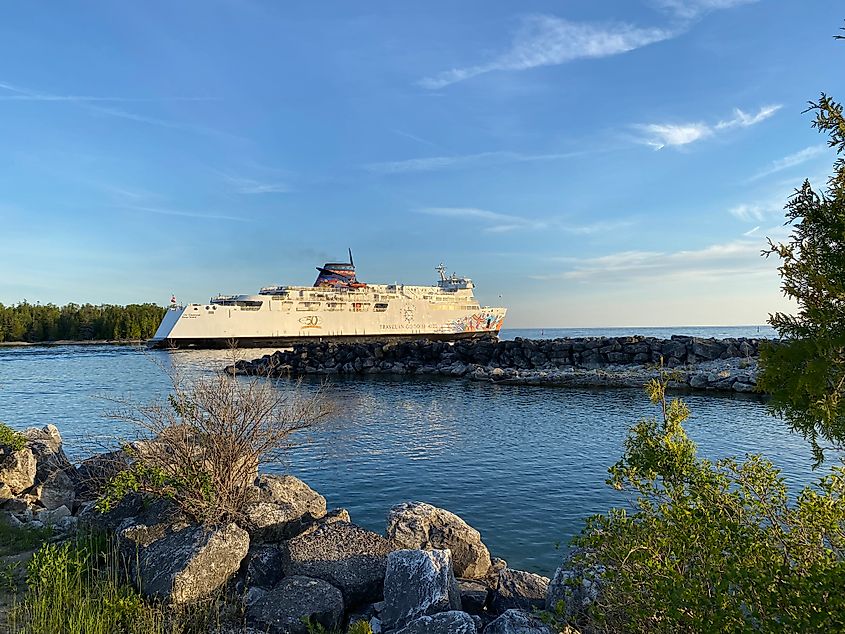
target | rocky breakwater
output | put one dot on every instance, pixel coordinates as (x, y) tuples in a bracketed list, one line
[(287, 564), (693, 363)]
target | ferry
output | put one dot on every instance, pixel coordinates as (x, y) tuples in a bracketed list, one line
[(337, 307)]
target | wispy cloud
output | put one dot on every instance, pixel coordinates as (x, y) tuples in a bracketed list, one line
[(688, 9), (251, 186), (505, 223), (414, 137), (714, 262), (789, 161), (462, 161), (165, 211), (94, 104), (545, 40), (661, 135)]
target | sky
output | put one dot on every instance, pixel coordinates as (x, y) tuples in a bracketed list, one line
[(587, 164)]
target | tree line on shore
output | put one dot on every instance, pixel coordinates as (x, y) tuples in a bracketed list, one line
[(33, 323)]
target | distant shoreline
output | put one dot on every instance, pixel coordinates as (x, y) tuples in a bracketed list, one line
[(73, 342)]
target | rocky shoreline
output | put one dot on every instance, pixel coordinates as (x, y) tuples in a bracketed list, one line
[(726, 365), (289, 560)]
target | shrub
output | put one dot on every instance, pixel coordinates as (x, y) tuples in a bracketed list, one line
[(17, 539), (714, 547), (11, 439), (202, 446)]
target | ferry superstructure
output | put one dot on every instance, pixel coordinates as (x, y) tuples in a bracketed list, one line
[(336, 307)]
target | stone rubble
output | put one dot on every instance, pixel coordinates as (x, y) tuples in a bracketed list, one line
[(726, 365)]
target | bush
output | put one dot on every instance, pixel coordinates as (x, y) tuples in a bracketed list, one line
[(202, 447), (11, 439), (714, 547)]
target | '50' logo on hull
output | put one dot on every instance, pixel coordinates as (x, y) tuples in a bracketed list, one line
[(311, 321)]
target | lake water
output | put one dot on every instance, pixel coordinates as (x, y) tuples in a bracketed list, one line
[(524, 465)]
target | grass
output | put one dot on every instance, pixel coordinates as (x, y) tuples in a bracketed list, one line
[(80, 587), (18, 539)]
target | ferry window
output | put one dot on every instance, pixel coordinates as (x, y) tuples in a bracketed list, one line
[(335, 306), (359, 307), (308, 306), (380, 308)]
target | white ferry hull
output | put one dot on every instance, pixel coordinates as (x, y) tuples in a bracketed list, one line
[(284, 315)]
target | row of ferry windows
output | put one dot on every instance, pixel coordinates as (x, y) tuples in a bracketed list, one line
[(330, 306)]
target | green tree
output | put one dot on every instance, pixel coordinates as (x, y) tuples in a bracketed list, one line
[(805, 372), (713, 547)]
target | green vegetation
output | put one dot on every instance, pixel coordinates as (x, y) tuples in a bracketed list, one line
[(806, 374), (11, 439), (81, 587), (35, 322), (202, 446), (725, 546), (17, 539), (714, 547)]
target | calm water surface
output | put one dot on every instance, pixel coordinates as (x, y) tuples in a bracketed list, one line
[(524, 465)]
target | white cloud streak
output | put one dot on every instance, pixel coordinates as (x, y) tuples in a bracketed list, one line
[(661, 135), (463, 161), (164, 211), (790, 161), (545, 40), (250, 186), (714, 262), (92, 104), (690, 9), (505, 223)]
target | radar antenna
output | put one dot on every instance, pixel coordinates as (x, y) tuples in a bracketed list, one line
[(350, 258), (441, 268)]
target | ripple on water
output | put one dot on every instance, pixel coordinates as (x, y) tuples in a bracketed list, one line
[(525, 465)]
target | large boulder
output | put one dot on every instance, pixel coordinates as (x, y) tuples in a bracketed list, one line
[(520, 590), (17, 469), (288, 490), (270, 522), (188, 565), (345, 555), (294, 602), (420, 525), (95, 472), (516, 622), (55, 490), (452, 622), (46, 446), (262, 567), (418, 583)]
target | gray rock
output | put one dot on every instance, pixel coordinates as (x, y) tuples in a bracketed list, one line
[(520, 590), (262, 566), (452, 622), (473, 595), (272, 522), (574, 587), (17, 469), (46, 446), (698, 380), (55, 490), (345, 555), (516, 622), (190, 564), (420, 525), (418, 583), (95, 472), (286, 608), (288, 490)]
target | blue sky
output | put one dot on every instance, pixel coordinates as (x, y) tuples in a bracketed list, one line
[(612, 163)]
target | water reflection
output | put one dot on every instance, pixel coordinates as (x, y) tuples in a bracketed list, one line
[(525, 465)]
